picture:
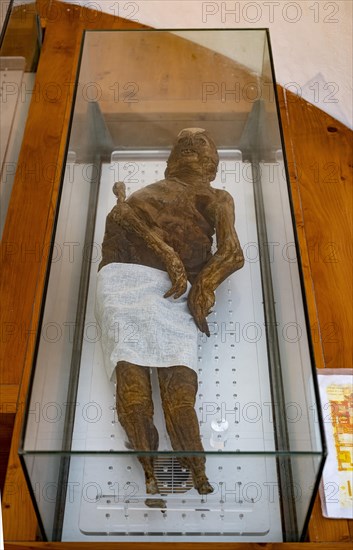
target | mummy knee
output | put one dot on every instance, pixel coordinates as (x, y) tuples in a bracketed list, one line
[(133, 390), (181, 387)]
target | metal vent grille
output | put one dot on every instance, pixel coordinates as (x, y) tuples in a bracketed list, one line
[(171, 476)]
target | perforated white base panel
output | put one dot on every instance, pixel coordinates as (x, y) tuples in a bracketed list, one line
[(106, 496)]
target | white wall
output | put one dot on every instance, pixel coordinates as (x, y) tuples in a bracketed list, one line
[(311, 40)]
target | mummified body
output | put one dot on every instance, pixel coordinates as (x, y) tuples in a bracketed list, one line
[(169, 226)]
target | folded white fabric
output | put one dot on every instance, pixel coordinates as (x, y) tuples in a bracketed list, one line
[(138, 324)]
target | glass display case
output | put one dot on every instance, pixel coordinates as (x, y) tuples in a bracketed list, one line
[(257, 401), (20, 43)]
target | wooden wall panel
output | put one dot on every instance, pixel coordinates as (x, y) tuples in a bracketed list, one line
[(319, 151)]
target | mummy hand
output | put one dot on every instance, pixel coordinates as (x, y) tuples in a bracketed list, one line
[(177, 275), (200, 301)]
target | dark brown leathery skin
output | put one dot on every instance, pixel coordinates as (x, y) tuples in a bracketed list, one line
[(169, 225)]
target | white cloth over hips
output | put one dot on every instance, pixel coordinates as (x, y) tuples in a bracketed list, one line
[(138, 324)]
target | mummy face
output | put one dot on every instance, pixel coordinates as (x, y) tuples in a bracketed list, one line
[(193, 152)]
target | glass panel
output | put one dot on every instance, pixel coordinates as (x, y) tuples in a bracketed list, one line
[(21, 34), (43, 473), (20, 41), (255, 376)]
